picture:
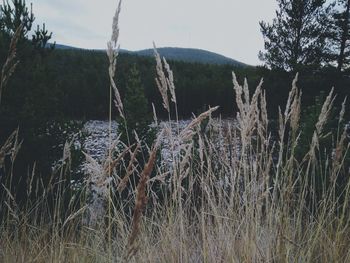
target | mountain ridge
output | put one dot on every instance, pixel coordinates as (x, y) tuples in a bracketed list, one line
[(192, 55)]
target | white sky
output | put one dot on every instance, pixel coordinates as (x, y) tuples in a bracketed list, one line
[(228, 27)]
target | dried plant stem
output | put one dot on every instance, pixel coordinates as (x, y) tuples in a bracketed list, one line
[(141, 200)]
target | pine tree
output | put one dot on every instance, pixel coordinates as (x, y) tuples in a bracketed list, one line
[(135, 107), (297, 36), (340, 38), (15, 13)]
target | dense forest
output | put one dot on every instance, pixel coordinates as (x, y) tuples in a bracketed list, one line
[(75, 84)]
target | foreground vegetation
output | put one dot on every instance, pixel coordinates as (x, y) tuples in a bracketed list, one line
[(252, 198)]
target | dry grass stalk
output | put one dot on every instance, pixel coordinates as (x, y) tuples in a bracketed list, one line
[(129, 170), (184, 161), (170, 80), (97, 187), (112, 53), (141, 199), (292, 94), (338, 155), (264, 116), (155, 119), (292, 115), (248, 109), (99, 173), (110, 164), (188, 132), (342, 111), (339, 152), (115, 25), (238, 91), (10, 147), (322, 119), (293, 107), (295, 112), (161, 80), (325, 111), (99, 177)]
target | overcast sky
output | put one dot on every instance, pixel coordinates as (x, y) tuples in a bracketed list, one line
[(228, 27)]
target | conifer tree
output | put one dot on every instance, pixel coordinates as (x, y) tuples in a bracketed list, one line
[(135, 107), (297, 36), (340, 38), (15, 13)]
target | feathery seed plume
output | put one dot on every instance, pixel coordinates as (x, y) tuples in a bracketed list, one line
[(112, 53), (161, 79)]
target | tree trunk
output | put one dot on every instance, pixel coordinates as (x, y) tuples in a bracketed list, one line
[(296, 48), (344, 38)]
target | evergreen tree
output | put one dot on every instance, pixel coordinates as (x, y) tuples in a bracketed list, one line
[(340, 37), (15, 13), (135, 107), (297, 36), (29, 98)]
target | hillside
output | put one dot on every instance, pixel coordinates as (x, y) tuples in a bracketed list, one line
[(191, 55), (64, 47), (181, 54)]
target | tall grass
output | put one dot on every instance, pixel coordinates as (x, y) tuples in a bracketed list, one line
[(232, 192)]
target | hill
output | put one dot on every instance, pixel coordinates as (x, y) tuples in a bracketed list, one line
[(60, 46), (191, 55), (180, 54)]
